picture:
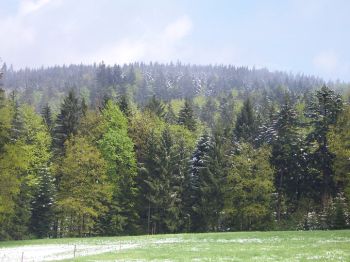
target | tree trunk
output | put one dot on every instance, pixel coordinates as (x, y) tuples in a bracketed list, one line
[(149, 217), (279, 197)]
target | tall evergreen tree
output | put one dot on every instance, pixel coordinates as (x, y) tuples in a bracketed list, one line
[(117, 75), (42, 218), (208, 112), (156, 107), (17, 123), (2, 97), (323, 113), (287, 156), (211, 183), (192, 191), (162, 219), (170, 116), (162, 175), (6, 115), (83, 107), (249, 188), (47, 116), (67, 121), (124, 105), (182, 151), (186, 116), (246, 125), (226, 108), (150, 184)]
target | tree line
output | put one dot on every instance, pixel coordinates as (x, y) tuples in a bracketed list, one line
[(219, 162), (141, 81)]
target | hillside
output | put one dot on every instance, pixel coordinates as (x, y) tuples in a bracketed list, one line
[(141, 81), (151, 149)]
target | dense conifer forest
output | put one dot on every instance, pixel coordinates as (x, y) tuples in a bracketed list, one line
[(90, 150)]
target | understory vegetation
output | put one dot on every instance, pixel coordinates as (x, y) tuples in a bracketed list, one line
[(97, 150)]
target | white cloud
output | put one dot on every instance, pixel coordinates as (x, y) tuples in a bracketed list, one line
[(19, 33), (326, 61), (178, 29), (123, 51), (330, 64), (160, 46), (29, 6)]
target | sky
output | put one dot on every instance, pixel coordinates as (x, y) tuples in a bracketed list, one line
[(298, 36)]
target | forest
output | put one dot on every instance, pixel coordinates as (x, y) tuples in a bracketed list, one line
[(101, 150)]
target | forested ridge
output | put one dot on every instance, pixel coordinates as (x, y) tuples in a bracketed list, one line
[(91, 150)]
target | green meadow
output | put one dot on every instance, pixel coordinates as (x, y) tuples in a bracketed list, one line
[(235, 246)]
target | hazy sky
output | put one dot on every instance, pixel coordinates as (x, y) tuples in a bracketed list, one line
[(309, 36)]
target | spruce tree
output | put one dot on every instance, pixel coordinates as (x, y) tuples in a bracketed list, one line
[(17, 123), (186, 116), (83, 107), (6, 115), (166, 217), (67, 121), (180, 161), (156, 107), (211, 183), (42, 205), (192, 185), (151, 184), (323, 113), (226, 107), (248, 190), (47, 116), (117, 75), (2, 97), (208, 112), (170, 116), (246, 125), (287, 156), (124, 105)]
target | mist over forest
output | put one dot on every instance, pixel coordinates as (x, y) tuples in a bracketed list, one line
[(139, 82)]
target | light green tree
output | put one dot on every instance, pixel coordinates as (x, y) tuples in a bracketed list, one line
[(83, 188), (118, 150), (339, 140), (13, 161), (249, 188)]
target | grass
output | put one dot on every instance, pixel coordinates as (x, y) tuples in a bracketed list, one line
[(239, 246)]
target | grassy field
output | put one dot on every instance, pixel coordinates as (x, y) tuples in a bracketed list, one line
[(240, 246)]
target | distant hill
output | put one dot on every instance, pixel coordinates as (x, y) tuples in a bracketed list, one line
[(141, 81)]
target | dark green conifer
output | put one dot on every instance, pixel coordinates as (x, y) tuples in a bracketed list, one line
[(186, 116)]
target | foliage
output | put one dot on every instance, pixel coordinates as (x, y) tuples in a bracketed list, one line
[(67, 121), (83, 187), (323, 113), (118, 150), (249, 188), (339, 140), (245, 128), (186, 116), (157, 148)]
